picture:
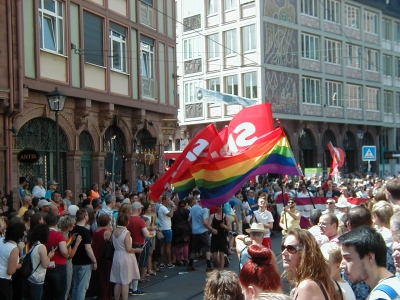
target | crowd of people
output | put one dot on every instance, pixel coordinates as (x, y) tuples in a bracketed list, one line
[(347, 252)]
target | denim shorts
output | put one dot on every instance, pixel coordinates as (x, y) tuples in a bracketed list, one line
[(167, 235)]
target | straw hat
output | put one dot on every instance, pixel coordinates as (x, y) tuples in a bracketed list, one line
[(257, 227)]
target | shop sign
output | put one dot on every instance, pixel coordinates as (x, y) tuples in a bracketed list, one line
[(28, 156)]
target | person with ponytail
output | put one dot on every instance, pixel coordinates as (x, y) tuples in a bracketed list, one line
[(259, 274)]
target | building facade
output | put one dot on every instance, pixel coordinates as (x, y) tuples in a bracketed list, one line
[(115, 61), (331, 70)]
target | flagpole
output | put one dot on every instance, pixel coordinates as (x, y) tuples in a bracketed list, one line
[(309, 195), (283, 199)]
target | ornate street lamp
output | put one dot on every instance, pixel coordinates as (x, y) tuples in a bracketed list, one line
[(56, 101)]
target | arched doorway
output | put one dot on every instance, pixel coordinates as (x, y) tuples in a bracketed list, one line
[(328, 136), (350, 147), (307, 153), (120, 147), (144, 141), (39, 134), (86, 145)]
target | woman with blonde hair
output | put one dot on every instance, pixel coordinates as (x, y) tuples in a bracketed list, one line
[(306, 268), (382, 211), (333, 257)]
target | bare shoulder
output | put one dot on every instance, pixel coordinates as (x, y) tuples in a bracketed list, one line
[(309, 290)]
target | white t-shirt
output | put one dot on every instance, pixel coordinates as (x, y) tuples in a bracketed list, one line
[(165, 221), (347, 291), (5, 251), (392, 281), (386, 234), (264, 217)]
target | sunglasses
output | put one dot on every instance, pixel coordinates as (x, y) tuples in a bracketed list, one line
[(290, 202), (292, 249)]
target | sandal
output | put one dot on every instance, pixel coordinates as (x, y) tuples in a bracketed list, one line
[(158, 270), (151, 272), (143, 280)]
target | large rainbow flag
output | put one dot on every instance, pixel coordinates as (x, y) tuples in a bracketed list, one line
[(219, 179)]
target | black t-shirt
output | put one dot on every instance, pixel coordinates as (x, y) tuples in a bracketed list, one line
[(81, 257)]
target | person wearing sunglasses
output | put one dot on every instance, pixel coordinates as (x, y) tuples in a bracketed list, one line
[(330, 206), (305, 267), (290, 217)]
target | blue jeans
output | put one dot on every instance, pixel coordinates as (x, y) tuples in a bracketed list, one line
[(55, 283), (31, 290), (80, 281)]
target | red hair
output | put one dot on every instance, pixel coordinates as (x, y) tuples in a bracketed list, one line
[(259, 271)]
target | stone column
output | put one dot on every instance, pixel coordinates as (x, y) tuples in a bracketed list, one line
[(74, 176), (130, 171), (98, 168)]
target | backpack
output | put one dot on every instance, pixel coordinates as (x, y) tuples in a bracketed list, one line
[(27, 269)]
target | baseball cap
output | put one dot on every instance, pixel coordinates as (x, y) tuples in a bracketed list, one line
[(72, 209), (51, 182), (126, 201), (136, 205), (42, 203)]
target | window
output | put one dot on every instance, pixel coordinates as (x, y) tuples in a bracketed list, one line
[(333, 93), (214, 84), (397, 32), (387, 65), (51, 18), (118, 47), (230, 4), (147, 56), (250, 85), (213, 46), (230, 42), (353, 56), (386, 30), (332, 51), (212, 7), (191, 49), (191, 91), (371, 22), (311, 91), (397, 67), (352, 17), (93, 39), (372, 98), (388, 102), (148, 2), (231, 85), (371, 60), (332, 11), (398, 103), (310, 46), (353, 96), (309, 7), (249, 38)]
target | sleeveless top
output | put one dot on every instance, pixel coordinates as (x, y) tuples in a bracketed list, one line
[(291, 222), (40, 273), (216, 224), (324, 291), (98, 243), (5, 250)]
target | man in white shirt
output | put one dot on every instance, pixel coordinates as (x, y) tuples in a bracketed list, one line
[(38, 190), (165, 213), (364, 259), (262, 215)]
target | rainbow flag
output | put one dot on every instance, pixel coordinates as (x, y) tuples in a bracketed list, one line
[(25, 238), (26, 249), (219, 179), (69, 241)]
